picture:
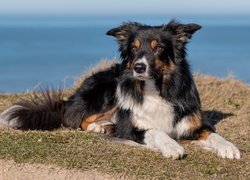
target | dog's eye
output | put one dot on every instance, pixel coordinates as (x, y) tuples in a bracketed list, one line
[(160, 48)]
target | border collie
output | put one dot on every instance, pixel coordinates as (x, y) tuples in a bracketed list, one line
[(150, 97)]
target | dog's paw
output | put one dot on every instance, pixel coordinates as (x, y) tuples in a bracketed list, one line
[(228, 150), (220, 146), (173, 150), (104, 128), (159, 140)]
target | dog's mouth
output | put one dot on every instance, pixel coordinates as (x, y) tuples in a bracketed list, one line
[(141, 77)]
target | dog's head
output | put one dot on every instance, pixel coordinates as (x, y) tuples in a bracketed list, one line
[(149, 51)]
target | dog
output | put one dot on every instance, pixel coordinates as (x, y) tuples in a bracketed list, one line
[(149, 98)]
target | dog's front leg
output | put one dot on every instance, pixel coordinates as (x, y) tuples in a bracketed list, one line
[(217, 144), (155, 139)]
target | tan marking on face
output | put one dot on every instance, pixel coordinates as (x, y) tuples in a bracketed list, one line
[(159, 64), (204, 134), (138, 85), (137, 44), (97, 117), (166, 68), (169, 67), (129, 65), (153, 44)]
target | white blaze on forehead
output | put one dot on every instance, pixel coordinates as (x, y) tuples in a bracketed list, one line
[(142, 60)]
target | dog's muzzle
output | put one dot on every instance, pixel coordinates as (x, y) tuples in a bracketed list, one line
[(140, 71)]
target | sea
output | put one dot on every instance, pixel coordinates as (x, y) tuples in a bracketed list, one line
[(52, 51)]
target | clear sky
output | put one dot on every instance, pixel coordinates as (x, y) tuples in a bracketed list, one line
[(213, 7)]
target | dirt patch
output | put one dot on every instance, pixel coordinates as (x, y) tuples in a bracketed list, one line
[(25, 171)]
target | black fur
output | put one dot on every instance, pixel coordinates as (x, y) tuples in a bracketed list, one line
[(46, 110), (130, 86), (176, 87), (125, 129), (41, 110), (151, 95), (97, 93)]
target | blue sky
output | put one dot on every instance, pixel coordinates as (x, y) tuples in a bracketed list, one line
[(212, 7)]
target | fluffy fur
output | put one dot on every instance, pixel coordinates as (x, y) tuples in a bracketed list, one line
[(46, 109), (157, 100), (150, 97)]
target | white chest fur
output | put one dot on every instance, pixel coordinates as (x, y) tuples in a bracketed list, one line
[(154, 113)]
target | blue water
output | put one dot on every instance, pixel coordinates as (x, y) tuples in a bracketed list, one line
[(53, 51)]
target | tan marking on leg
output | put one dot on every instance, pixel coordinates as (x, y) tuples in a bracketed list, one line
[(195, 121), (89, 120), (204, 134), (189, 125), (97, 117)]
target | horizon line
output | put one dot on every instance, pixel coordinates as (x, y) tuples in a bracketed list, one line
[(122, 14)]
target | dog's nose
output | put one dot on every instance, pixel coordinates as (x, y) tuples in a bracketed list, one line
[(140, 68)]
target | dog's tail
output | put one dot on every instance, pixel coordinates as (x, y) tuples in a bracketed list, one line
[(43, 110)]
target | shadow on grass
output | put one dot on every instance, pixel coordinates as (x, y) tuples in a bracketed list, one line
[(214, 116)]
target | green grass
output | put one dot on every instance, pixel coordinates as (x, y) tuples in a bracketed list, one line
[(87, 151), (225, 100)]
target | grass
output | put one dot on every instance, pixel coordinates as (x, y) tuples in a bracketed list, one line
[(225, 102)]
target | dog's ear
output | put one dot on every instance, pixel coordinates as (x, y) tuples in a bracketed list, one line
[(183, 32), (123, 32)]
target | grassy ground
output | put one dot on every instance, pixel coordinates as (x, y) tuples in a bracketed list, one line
[(225, 102)]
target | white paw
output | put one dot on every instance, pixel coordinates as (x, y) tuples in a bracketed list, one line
[(228, 150), (99, 127), (159, 140), (220, 146), (95, 128), (173, 150)]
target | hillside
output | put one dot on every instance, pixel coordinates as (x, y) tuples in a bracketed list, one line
[(226, 102)]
